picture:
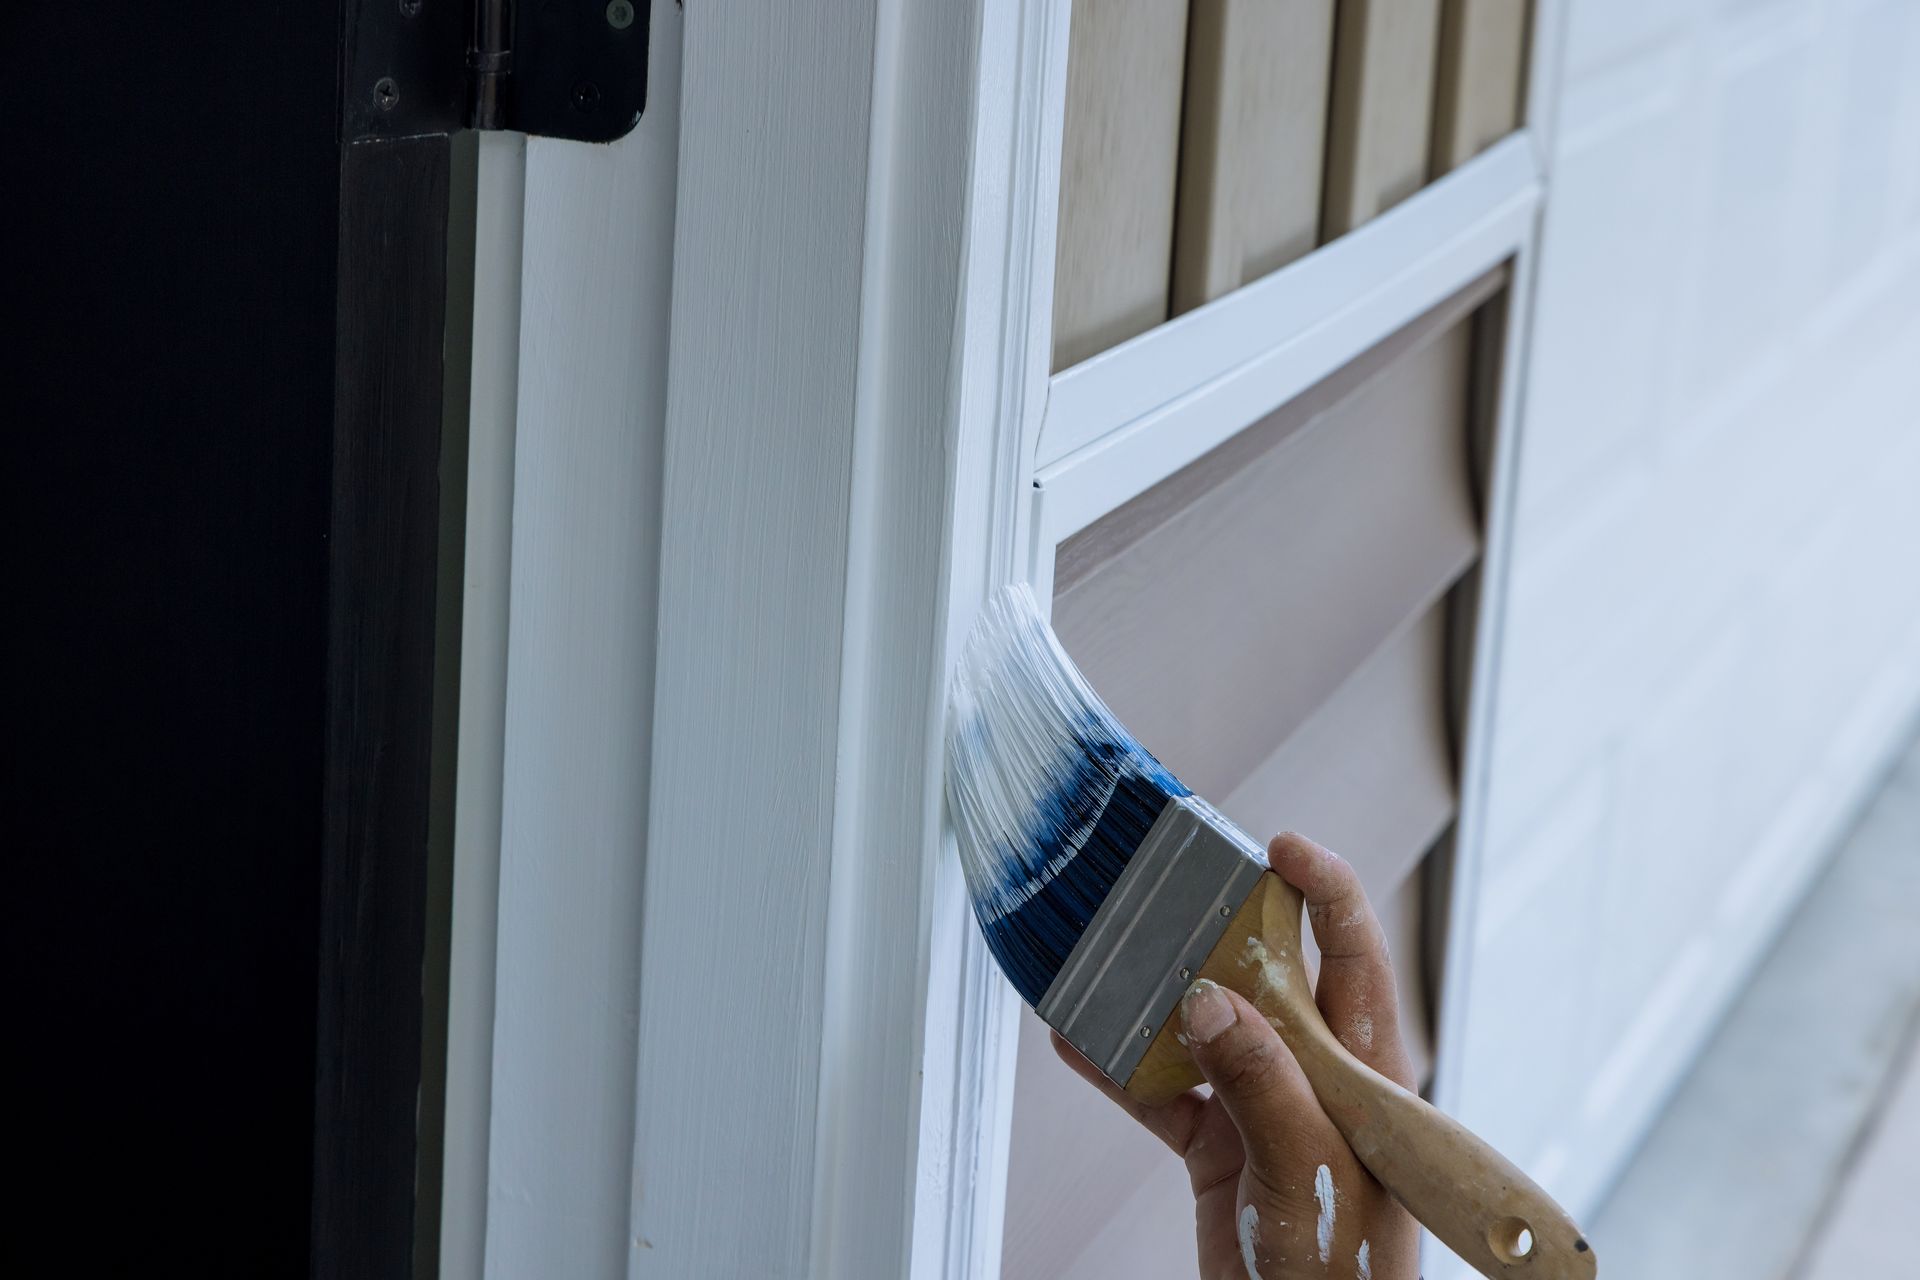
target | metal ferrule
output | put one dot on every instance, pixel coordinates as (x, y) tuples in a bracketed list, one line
[(1156, 928)]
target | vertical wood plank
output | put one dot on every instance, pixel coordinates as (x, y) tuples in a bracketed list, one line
[(1125, 61), (1382, 109), (1252, 142), (757, 499), (970, 1031), (596, 274), (384, 538), (1483, 58)]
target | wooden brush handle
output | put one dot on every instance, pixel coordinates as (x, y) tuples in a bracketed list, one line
[(1475, 1200)]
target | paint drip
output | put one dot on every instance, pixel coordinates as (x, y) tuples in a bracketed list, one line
[(1269, 972), (1323, 1195), (1249, 1236)]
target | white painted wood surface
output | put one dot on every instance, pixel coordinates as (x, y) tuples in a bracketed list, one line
[(762, 388), (1004, 356), (836, 383), (598, 225), (804, 767)]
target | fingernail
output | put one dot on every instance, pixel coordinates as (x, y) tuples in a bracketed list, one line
[(1205, 1011)]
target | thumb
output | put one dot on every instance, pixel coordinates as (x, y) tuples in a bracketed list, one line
[(1252, 1073)]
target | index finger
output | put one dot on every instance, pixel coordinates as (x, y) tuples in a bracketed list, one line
[(1356, 993)]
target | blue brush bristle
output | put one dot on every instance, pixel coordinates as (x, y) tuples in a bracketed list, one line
[(1048, 793)]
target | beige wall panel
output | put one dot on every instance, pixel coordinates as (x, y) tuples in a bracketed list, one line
[(1483, 57), (1382, 113), (1370, 773), (1214, 628), (1125, 63), (1084, 1182), (1253, 142)]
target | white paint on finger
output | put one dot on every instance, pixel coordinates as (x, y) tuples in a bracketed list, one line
[(1363, 1032), (1323, 1195), (1363, 1265), (1249, 1237)]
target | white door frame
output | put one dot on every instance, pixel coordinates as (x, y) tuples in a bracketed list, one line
[(849, 405), (742, 1021)]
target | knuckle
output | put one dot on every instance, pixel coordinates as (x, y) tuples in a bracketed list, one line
[(1245, 1064)]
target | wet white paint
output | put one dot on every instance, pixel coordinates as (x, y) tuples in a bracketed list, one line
[(1323, 1195), (1249, 1237), (1363, 1265), (1270, 973)]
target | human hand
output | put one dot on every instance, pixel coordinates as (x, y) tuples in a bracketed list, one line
[(1277, 1193)]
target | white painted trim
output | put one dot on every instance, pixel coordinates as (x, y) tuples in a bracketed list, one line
[(495, 390), (1005, 353), (820, 1030), (595, 275), (1495, 565), (1546, 64), (1124, 420), (763, 385)]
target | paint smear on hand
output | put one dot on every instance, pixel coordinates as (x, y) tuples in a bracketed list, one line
[(1363, 1031), (1363, 1264), (1249, 1236), (1323, 1194)]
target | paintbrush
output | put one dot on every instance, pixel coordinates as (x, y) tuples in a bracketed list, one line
[(1105, 887)]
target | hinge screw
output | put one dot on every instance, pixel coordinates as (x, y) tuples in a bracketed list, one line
[(586, 95), (386, 93), (619, 14), (1146, 1033), (1186, 974)]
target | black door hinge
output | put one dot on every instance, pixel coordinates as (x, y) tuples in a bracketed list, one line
[(559, 68)]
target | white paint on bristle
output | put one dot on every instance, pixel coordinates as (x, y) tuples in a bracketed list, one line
[(1019, 710), (1323, 1195), (1249, 1237)]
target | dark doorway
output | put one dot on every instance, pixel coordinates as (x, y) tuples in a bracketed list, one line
[(222, 408)]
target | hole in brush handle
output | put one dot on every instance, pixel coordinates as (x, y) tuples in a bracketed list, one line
[(1511, 1240)]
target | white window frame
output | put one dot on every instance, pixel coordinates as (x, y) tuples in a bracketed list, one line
[(741, 1020)]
